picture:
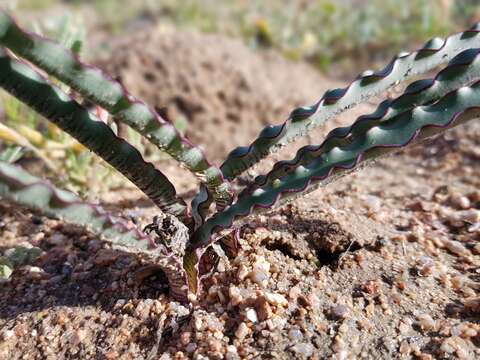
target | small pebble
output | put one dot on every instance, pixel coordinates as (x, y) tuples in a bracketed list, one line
[(460, 201), (259, 277), (242, 272), (425, 322), (305, 350), (276, 299), (371, 287), (235, 295), (472, 304), (339, 311), (215, 345), (232, 353), (242, 331), (263, 308), (295, 334), (404, 348), (456, 247), (190, 348), (251, 315)]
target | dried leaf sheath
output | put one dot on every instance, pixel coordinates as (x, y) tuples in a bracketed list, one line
[(400, 131)]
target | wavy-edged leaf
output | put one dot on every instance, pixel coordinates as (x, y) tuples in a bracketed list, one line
[(31, 88), (434, 53), (461, 71), (102, 90), (388, 136), (25, 189)]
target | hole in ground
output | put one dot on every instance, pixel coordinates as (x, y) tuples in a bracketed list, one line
[(284, 248), (328, 258)]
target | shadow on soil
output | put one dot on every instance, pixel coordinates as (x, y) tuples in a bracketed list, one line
[(302, 235), (75, 269)]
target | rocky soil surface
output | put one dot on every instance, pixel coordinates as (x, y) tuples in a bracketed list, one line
[(381, 264)]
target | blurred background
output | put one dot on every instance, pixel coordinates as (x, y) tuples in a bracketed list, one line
[(321, 31), (222, 67)]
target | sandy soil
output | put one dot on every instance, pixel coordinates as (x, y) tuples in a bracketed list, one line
[(382, 264), (215, 83)]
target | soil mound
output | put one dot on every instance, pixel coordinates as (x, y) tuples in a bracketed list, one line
[(226, 92)]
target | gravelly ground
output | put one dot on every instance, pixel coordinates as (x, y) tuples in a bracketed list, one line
[(382, 264)]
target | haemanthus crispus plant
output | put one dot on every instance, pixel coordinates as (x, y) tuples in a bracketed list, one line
[(427, 107)]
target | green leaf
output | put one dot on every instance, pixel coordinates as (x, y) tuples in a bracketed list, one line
[(50, 101)]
